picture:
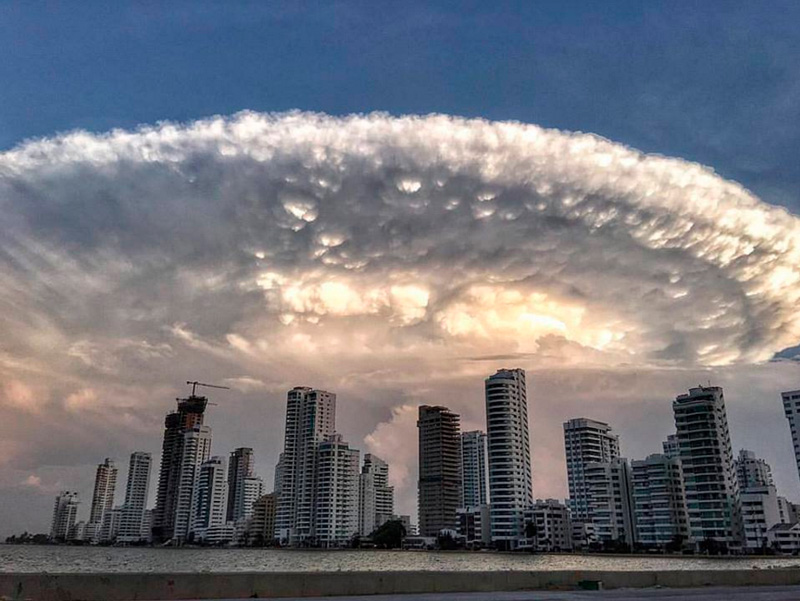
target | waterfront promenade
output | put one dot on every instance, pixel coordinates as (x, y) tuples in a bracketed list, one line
[(487, 585)]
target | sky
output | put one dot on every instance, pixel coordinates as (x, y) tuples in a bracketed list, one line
[(390, 204)]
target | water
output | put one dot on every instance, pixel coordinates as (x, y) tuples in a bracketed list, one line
[(109, 559)]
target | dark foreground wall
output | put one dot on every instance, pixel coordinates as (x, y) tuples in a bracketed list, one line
[(152, 587)]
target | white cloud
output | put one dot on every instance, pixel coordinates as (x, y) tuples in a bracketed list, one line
[(383, 258)]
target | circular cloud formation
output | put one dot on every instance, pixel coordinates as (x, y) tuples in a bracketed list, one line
[(308, 235)]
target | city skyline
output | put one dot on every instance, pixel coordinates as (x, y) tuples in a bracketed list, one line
[(634, 488), (389, 205)]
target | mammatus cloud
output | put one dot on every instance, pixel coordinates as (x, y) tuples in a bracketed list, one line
[(390, 259)]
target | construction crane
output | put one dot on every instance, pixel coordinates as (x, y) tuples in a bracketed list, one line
[(195, 384)]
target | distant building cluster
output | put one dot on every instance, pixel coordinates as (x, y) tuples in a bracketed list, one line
[(474, 489), (323, 495)]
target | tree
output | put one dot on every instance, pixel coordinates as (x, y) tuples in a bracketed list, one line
[(389, 535), (446, 542)]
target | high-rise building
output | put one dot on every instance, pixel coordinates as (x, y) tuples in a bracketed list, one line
[(671, 447), (210, 502), (752, 472), (196, 449), (709, 475), (659, 502), (611, 501), (136, 493), (509, 450), (376, 497), (253, 489), (188, 416), (439, 487), (586, 441), (474, 469), (65, 512), (241, 465), (791, 407), (262, 524), (105, 482), (109, 527), (310, 419), (336, 498)]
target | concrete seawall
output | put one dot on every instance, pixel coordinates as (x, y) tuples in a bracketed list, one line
[(242, 585)]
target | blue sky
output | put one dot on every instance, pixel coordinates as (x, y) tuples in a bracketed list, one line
[(713, 82)]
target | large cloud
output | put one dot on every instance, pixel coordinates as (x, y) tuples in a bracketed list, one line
[(392, 259)]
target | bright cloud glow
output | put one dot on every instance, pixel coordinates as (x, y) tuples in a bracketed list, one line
[(376, 256)]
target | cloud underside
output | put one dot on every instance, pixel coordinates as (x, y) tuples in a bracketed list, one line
[(371, 252)]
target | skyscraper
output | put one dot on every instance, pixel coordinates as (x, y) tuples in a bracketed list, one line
[(262, 526), (474, 468), (65, 511), (131, 528), (105, 483), (508, 441), (196, 449), (752, 472), (336, 498), (659, 502), (241, 465), (586, 441), (310, 419), (791, 407), (709, 475), (188, 416), (610, 495), (376, 497), (209, 505), (439, 487)]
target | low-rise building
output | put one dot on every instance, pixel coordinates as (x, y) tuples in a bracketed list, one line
[(553, 525), (474, 526), (760, 512), (784, 538)]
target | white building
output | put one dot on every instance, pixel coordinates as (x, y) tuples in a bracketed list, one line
[(508, 442), (252, 490), (784, 538), (310, 419), (553, 525), (609, 486), (752, 472), (109, 526), (65, 512), (131, 527), (474, 469), (585, 441), (788, 511), (209, 508), (709, 475), (474, 526), (336, 508), (105, 482), (791, 407), (659, 502), (760, 512), (196, 449), (376, 497)]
